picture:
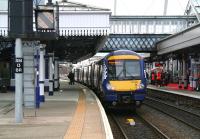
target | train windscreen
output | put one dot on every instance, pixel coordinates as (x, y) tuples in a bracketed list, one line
[(123, 69)]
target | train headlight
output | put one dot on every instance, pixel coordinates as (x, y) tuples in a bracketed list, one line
[(141, 86), (109, 87)]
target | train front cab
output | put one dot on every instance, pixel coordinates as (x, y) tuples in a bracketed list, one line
[(124, 81)]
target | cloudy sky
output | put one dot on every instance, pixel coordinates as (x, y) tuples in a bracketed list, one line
[(139, 7)]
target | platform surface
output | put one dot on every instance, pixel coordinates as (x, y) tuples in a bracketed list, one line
[(72, 113), (187, 93)]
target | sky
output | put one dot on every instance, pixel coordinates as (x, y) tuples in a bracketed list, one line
[(139, 7)]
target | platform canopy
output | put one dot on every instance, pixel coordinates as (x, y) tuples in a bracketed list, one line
[(184, 40), (83, 30)]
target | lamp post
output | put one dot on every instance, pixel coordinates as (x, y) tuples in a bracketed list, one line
[(165, 8), (115, 7)]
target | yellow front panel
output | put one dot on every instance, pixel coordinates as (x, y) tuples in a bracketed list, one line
[(129, 85), (122, 57)]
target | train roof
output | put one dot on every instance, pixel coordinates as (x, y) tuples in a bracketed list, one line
[(118, 52), (123, 52)]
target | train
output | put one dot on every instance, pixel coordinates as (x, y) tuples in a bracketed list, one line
[(118, 79)]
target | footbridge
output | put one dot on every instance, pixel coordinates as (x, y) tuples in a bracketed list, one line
[(85, 30), (140, 33)]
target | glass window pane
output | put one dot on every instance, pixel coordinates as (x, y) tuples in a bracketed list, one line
[(123, 69), (132, 68)]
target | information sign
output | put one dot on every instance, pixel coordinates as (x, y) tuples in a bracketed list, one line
[(19, 65)]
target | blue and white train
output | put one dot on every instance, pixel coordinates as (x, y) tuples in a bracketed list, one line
[(118, 79)]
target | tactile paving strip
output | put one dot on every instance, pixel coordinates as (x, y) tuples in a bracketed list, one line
[(75, 129)]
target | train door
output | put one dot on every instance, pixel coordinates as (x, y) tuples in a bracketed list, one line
[(92, 75), (89, 75), (81, 76), (78, 72), (86, 75), (95, 75), (99, 77), (75, 74)]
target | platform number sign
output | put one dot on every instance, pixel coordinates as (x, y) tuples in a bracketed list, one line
[(18, 65)]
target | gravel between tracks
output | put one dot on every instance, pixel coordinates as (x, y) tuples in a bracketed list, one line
[(115, 130), (139, 131), (173, 128), (187, 117)]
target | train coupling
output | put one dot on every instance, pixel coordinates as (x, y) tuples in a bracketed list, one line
[(126, 99)]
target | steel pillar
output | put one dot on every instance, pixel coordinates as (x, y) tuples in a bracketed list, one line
[(56, 74), (179, 74), (41, 74), (184, 73), (51, 74), (18, 84)]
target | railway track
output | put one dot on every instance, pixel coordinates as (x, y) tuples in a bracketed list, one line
[(142, 128), (6, 108), (154, 128), (186, 117), (118, 132)]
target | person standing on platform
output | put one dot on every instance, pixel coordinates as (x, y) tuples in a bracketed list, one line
[(163, 75), (152, 77), (71, 78), (159, 80)]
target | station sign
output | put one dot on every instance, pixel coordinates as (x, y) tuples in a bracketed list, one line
[(19, 65)]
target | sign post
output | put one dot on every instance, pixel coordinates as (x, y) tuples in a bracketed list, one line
[(18, 81)]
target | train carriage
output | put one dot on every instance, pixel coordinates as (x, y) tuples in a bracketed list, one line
[(119, 78)]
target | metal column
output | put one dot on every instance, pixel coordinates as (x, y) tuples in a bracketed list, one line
[(51, 74), (184, 73), (179, 74), (18, 84), (56, 74), (41, 74)]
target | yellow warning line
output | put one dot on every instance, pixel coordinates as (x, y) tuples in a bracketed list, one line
[(75, 129)]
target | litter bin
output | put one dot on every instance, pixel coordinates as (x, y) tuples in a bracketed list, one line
[(4, 84), (3, 89)]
